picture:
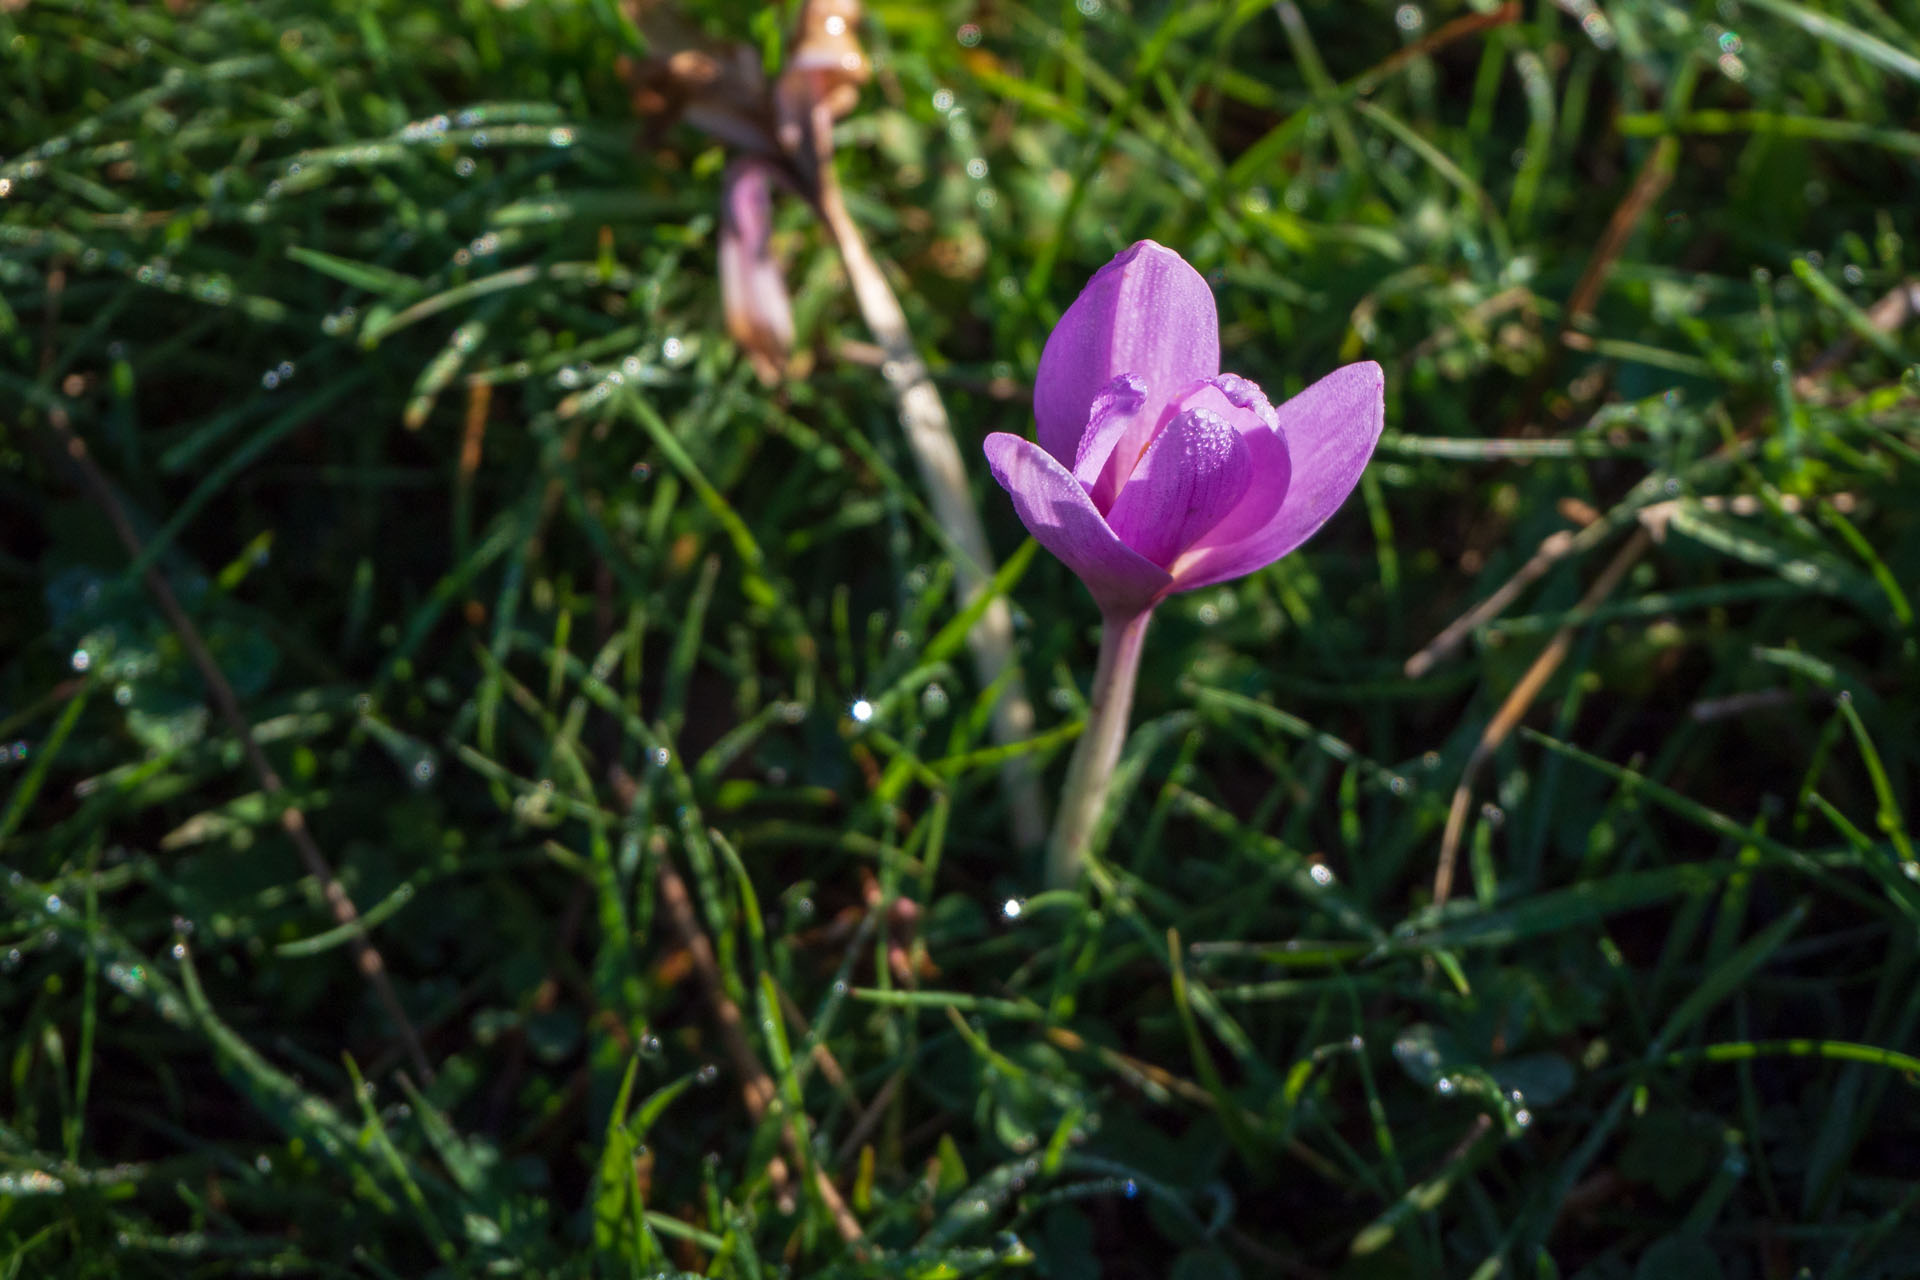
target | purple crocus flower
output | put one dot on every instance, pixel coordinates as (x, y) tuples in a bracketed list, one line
[(1154, 471), (1157, 473)]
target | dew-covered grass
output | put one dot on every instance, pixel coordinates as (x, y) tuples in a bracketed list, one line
[(394, 336)]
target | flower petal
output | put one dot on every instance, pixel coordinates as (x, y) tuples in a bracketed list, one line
[(1330, 430), (1268, 460), (753, 286), (1193, 474), (1057, 511), (1116, 413), (1146, 313)]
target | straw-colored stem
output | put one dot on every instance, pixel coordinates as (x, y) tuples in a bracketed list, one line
[(944, 476), (1083, 798)]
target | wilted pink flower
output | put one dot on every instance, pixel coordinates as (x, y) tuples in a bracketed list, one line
[(753, 286), (1154, 471)]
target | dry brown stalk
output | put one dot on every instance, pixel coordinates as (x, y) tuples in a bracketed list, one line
[(1655, 173), (944, 475), (757, 1088), (1440, 37), (1517, 702), (1553, 549), (786, 128)]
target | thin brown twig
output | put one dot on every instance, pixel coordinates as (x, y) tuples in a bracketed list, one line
[(1518, 701), (1654, 176), (757, 1089), (1895, 307), (292, 819), (830, 1068), (1553, 549), (870, 1117), (1443, 35)]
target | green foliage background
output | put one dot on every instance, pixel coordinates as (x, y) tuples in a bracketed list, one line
[(260, 256)]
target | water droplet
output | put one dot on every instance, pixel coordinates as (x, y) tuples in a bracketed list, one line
[(464, 166), (1444, 1086), (263, 1162), (861, 711), (649, 1046), (11, 960), (707, 1075), (1322, 875), (1012, 908), (933, 700), (131, 979), (54, 905), (1130, 1189), (659, 757), (968, 35), (1523, 1117), (942, 100), (672, 349), (1409, 18), (423, 771), (81, 660), (803, 909), (560, 137)]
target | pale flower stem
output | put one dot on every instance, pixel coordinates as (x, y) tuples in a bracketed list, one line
[(944, 476), (1083, 797)]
